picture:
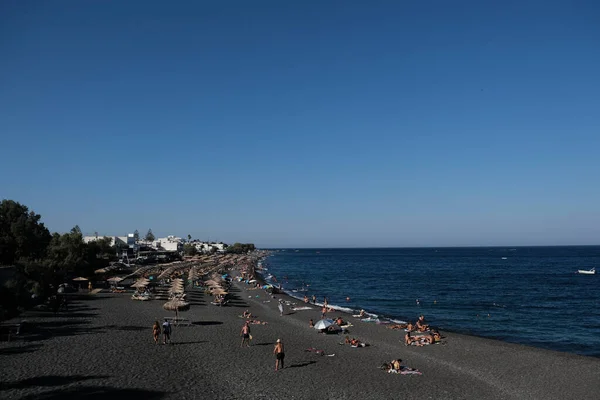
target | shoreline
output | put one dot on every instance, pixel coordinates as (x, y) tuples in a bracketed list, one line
[(390, 321), (103, 345), (587, 351)]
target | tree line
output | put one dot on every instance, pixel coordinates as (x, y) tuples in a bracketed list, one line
[(41, 260)]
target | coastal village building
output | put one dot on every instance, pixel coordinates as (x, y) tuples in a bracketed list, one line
[(206, 247), (170, 243), (128, 240)]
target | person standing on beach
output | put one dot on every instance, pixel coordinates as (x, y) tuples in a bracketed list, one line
[(280, 306), (279, 354), (314, 299), (245, 335), (156, 331), (166, 331)]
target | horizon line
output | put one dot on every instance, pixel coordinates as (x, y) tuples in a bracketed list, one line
[(426, 247)]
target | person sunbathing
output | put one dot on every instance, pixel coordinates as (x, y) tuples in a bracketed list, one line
[(422, 326), (361, 314), (396, 326), (247, 314), (409, 339), (435, 337), (357, 343), (339, 321), (410, 327)]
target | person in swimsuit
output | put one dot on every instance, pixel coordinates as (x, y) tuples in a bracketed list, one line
[(245, 335), (422, 326), (156, 331), (279, 355)]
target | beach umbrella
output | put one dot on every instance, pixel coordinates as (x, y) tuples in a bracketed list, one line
[(114, 279), (176, 305), (141, 283), (324, 324), (80, 279), (219, 291)]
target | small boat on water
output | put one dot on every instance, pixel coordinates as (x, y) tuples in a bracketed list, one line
[(587, 271)]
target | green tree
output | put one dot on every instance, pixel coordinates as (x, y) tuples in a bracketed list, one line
[(150, 236), (189, 237), (240, 248), (22, 235), (189, 249), (67, 253), (136, 236)]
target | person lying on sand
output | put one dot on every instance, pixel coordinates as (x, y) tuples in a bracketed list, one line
[(417, 340), (397, 326), (436, 337), (355, 342), (395, 367), (339, 321), (247, 314), (315, 350), (256, 322)]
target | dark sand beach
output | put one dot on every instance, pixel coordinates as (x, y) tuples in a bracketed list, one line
[(103, 348)]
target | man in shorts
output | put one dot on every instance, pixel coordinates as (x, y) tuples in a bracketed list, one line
[(166, 328), (245, 335), (279, 354)]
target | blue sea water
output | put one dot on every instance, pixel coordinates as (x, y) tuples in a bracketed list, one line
[(527, 295)]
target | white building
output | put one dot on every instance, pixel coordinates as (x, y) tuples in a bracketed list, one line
[(206, 247), (128, 240), (170, 243)]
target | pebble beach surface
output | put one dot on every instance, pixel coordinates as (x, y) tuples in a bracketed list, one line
[(103, 348)]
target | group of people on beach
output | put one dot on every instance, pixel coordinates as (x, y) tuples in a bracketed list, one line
[(420, 333), (165, 329), (278, 350)]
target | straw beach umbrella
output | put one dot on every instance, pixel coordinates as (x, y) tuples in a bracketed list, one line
[(176, 305)]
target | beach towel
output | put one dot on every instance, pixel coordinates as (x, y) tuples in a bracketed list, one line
[(301, 308), (405, 371)]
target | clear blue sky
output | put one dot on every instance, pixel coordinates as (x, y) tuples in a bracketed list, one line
[(306, 123)]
